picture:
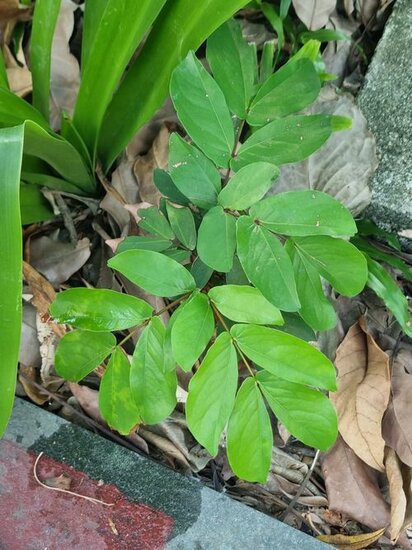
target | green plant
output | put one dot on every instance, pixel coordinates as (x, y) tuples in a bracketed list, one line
[(246, 260), (118, 94)]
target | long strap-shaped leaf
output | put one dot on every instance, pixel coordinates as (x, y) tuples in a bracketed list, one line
[(93, 12), (44, 23), (183, 25), (43, 143), (122, 26), (11, 148)]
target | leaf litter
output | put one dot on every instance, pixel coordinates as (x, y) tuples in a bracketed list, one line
[(364, 482)]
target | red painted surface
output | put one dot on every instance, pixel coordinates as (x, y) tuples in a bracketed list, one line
[(35, 518)]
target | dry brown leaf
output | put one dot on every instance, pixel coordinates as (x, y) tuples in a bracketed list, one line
[(11, 11), (145, 165), (124, 182), (57, 260), (29, 348), (397, 422), (363, 394), (43, 295), (352, 488), (27, 373), (400, 490), (64, 70), (352, 542), (314, 13)]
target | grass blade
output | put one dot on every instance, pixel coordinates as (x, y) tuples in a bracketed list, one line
[(11, 149), (44, 23), (182, 26), (122, 25)]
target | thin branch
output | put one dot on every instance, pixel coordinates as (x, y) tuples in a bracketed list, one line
[(301, 488), (59, 490)]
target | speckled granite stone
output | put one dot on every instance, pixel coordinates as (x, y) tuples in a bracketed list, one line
[(386, 101)]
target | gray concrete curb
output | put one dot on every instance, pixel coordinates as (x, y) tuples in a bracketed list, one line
[(203, 519)]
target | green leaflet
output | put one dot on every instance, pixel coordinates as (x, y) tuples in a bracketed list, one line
[(267, 60), (212, 393), (43, 26), (163, 181), (122, 25), (289, 139), (153, 221), (216, 242), (304, 213), (157, 244), (178, 254), (80, 352), (266, 264), (235, 70), (315, 309), (201, 272), (115, 399), (285, 356), (386, 288), (249, 434), (99, 309), (248, 186), (203, 113), (180, 27), (152, 383), (11, 148), (338, 261), (307, 414), (194, 175), (153, 272), (324, 35), (192, 330), (245, 304), (183, 225), (288, 90)]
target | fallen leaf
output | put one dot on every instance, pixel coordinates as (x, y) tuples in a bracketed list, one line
[(124, 182), (145, 165), (27, 374), (344, 166), (397, 424), (43, 295), (400, 490), (352, 488), (314, 13), (11, 12), (363, 394), (64, 70), (60, 482), (57, 260), (352, 542), (29, 347)]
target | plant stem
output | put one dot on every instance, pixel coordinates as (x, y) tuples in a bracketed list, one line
[(237, 138), (156, 313), (223, 323)]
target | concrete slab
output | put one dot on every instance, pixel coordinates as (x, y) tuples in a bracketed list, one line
[(153, 507), (386, 103)]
